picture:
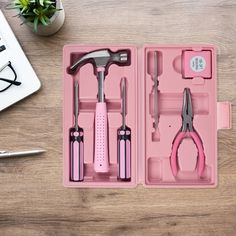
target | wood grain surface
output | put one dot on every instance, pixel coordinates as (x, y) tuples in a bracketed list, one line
[(32, 198)]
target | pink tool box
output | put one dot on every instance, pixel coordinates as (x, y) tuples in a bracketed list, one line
[(141, 116)]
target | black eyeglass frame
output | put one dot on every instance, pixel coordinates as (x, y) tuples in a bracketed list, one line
[(11, 82)]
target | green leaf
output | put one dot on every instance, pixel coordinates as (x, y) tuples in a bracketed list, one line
[(44, 21), (36, 21), (36, 12), (41, 2), (49, 2)]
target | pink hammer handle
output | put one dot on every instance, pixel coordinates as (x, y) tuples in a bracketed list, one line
[(101, 159), (201, 156), (173, 158)]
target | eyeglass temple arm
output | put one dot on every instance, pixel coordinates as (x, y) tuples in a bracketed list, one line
[(17, 83)]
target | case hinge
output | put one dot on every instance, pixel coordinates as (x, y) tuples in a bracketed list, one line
[(224, 115)]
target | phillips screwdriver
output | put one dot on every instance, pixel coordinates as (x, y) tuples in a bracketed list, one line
[(76, 143), (124, 139)]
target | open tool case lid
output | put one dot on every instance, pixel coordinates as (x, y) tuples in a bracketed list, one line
[(150, 163)]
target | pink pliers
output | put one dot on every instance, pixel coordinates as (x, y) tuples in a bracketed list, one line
[(187, 130)]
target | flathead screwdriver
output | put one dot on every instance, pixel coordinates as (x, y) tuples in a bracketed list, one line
[(124, 139), (76, 142)]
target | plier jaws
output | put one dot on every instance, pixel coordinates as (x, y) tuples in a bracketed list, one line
[(187, 112)]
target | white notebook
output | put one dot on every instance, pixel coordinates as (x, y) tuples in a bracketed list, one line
[(25, 73)]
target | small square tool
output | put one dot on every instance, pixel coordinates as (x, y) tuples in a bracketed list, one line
[(197, 64)]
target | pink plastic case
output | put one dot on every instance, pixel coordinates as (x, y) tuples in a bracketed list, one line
[(150, 158)]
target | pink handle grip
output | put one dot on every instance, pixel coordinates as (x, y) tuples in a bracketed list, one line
[(76, 156), (173, 158), (101, 159), (124, 154), (201, 156)]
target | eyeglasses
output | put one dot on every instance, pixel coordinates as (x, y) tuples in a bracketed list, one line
[(8, 77)]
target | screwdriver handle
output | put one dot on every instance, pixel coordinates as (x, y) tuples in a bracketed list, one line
[(76, 154), (124, 153)]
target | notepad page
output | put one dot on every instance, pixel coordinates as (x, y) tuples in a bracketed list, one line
[(25, 73)]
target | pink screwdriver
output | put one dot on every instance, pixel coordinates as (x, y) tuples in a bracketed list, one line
[(124, 140), (76, 143)]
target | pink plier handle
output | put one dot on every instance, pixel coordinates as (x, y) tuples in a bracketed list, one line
[(198, 142)]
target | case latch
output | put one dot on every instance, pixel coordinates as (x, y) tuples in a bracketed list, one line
[(224, 115)]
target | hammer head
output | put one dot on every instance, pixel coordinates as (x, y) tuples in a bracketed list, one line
[(102, 58)]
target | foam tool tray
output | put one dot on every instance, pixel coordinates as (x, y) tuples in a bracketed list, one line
[(178, 68)]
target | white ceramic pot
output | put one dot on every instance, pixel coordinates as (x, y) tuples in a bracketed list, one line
[(57, 21)]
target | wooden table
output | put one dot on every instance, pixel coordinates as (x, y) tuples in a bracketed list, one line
[(32, 198)]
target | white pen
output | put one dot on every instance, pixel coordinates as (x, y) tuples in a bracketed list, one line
[(5, 154)]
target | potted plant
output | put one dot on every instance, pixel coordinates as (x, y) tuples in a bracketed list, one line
[(44, 17)]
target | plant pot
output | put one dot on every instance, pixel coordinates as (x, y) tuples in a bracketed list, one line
[(57, 21)]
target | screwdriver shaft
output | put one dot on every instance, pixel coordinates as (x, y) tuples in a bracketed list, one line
[(123, 95), (124, 140), (76, 100)]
